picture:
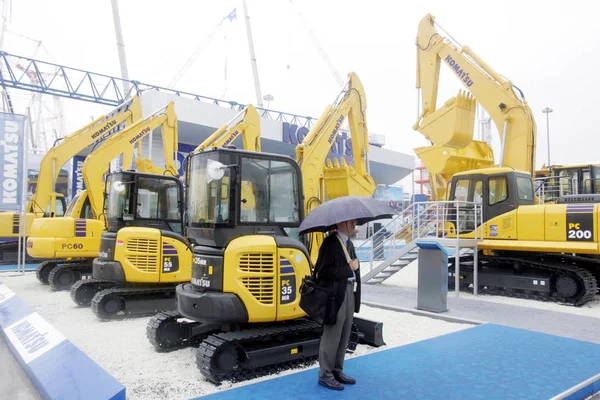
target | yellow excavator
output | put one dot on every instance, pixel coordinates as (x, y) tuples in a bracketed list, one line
[(73, 243), (241, 306), (139, 265), (561, 180), (548, 252), (45, 201)]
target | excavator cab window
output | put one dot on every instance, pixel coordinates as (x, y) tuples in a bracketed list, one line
[(271, 189), (496, 193), (71, 205), (60, 208), (236, 192)]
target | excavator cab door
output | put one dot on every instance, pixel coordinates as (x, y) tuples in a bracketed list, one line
[(505, 192)]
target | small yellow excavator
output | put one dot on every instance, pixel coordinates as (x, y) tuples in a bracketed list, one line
[(46, 202), (73, 243), (139, 265), (241, 306)]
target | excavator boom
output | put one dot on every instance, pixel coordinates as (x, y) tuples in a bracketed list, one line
[(61, 152), (337, 180), (450, 128), (98, 161), (248, 127)]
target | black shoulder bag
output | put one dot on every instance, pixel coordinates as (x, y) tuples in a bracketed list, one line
[(316, 300)]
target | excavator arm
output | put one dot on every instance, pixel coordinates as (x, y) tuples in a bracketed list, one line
[(97, 163), (450, 128), (126, 114), (248, 127), (319, 177)]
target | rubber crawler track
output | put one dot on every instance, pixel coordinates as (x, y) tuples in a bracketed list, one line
[(78, 290), (42, 272), (546, 263), (210, 347), (79, 266), (105, 295)]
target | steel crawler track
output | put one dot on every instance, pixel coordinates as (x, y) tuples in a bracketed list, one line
[(560, 265)]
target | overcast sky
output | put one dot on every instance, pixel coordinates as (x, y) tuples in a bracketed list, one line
[(549, 49)]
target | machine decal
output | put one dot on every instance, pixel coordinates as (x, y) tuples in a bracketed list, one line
[(80, 225), (580, 222), (16, 223), (170, 260), (287, 281), (493, 230)]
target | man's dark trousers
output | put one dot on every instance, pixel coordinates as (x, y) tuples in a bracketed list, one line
[(334, 341)]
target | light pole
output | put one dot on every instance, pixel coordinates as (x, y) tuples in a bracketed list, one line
[(268, 98), (547, 111)]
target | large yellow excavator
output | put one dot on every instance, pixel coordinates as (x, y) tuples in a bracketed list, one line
[(73, 243), (139, 265), (241, 306), (46, 202), (539, 251)]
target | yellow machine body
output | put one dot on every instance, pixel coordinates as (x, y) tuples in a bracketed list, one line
[(265, 278), (148, 257), (79, 237)]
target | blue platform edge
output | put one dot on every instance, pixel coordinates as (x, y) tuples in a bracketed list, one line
[(486, 362), (14, 267), (57, 368)]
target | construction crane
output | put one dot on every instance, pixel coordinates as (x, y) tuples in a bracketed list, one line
[(201, 47), (334, 72)]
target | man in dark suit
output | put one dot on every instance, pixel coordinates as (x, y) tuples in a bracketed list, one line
[(338, 268)]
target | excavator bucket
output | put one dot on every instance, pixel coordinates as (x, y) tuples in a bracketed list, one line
[(443, 162), (341, 179), (451, 125), (446, 161)]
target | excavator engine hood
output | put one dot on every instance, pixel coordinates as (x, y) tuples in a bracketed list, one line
[(64, 237)]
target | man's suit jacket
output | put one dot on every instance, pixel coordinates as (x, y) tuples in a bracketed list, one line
[(333, 270)]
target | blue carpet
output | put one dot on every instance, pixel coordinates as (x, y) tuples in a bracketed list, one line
[(490, 362), (13, 267)]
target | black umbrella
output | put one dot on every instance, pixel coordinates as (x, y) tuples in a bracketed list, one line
[(362, 209)]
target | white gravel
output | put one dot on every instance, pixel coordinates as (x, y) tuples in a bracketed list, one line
[(407, 278), (122, 349)]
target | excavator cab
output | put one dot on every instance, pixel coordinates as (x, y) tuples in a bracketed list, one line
[(60, 205), (143, 200), (497, 190)]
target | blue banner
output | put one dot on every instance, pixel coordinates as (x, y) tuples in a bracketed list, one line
[(77, 183), (12, 152)]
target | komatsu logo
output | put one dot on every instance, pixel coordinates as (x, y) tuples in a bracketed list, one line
[(338, 124), (79, 175), (10, 169), (32, 336), (231, 138), (458, 70), (139, 135), (104, 129)]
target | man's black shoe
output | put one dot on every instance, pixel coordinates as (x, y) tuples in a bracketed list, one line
[(342, 378), (331, 384)]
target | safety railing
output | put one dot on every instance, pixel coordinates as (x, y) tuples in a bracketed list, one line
[(549, 189), (454, 224)]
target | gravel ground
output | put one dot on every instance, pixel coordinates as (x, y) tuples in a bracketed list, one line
[(122, 349), (407, 278)]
